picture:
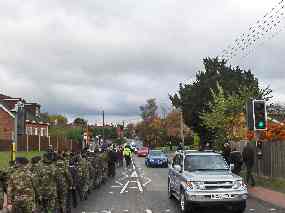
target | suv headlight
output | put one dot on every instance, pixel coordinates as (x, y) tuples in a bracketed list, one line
[(238, 184)]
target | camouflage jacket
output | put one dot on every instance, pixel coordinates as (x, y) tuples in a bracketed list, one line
[(64, 178), (20, 185), (47, 181)]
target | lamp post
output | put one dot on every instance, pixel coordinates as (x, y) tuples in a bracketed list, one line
[(18, 106)]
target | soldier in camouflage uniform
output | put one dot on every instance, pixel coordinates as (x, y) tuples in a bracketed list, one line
[(91, 175), (64, 184), (75, 180), (35, 169), (83, 172), (20, 188), (47, 184), (3, 187)]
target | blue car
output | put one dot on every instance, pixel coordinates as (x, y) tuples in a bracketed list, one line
[(156, 158)]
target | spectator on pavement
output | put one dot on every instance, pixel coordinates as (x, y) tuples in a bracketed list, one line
[(236, 159), (227, 153), (248, 159)]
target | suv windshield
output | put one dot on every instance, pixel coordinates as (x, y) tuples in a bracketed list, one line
[(205, 162)]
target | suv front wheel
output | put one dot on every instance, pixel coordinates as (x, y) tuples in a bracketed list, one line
[(240, 208)]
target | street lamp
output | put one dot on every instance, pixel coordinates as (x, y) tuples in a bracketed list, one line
[(18, 107)]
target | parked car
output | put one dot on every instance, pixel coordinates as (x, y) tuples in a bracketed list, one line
[(156, 158), (205, 179), (143, 152)]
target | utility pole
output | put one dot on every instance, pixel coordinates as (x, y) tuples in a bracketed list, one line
[(103, 126)]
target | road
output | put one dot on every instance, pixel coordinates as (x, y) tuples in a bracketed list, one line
[(144, 190)]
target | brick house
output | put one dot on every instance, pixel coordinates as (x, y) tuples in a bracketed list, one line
[(29, 118)]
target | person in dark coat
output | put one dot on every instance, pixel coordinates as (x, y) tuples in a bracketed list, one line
[(227, 152), (112, 158), (248, 159), (236, 159)]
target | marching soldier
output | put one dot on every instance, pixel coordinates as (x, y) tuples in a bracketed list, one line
[(21, 189)]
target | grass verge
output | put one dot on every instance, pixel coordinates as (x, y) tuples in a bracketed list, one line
[(6, 156), (275, 184)]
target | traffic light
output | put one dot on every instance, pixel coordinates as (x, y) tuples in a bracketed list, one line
[(259, 114)]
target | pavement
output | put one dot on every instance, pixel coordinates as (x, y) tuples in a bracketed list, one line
[(144, 190)]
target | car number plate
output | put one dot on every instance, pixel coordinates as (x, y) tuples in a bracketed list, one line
[(221, 196)]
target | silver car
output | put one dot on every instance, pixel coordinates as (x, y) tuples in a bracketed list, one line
[(205, 179)]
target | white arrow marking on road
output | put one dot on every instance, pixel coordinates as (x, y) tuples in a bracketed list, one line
[(134, 174), (124, 188), (140, 186)]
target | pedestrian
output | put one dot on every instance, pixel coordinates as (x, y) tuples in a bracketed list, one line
[(248, 159), (48, 184), (127, 155), (227, 152), (21, 192), (236, 159)]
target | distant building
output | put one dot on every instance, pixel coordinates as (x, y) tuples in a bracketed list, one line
[(29, 118)]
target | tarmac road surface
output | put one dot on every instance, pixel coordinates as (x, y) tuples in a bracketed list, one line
[(144, 190)]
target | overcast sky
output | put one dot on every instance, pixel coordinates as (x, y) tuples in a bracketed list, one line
[(78, 57)]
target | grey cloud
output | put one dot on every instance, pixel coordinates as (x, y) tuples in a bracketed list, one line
[(78, 57)]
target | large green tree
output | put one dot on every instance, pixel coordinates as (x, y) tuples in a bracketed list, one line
[(194, 98)]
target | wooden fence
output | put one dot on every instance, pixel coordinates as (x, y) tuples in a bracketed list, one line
[(272, 163), (39, 143)]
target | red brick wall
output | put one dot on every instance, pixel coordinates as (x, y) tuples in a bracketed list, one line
[(6, 125)]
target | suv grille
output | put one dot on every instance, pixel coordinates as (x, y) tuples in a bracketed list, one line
[(212, 185)]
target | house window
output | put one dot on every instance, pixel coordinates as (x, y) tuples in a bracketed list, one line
[(37, 111), (36, 131), (42, 131)]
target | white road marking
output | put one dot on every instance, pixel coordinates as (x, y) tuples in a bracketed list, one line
[(133, 181), (124, 188), (251, 210), (133, 187), (148, 211), (115, 186), (272, 210), (126, 210), (119, 183), (106, 211), (147, 182), (111, 193), (167, 210), (140, 186), (134, 174)]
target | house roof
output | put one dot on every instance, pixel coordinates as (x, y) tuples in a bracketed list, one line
[(6, 110), (2, 96)]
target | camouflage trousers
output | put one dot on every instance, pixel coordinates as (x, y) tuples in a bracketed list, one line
[(64, 202), (48, 206), (1, 198), (23, 206)]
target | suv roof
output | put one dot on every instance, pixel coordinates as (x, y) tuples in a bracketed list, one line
[(196, 152)]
